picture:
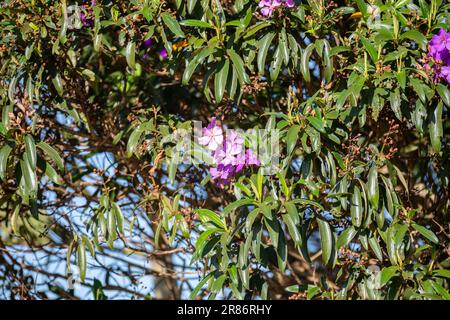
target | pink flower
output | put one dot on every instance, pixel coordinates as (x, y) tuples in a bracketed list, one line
[(212, 137), (268, 6)]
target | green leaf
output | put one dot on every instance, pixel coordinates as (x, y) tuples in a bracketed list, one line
[(206, 215), (442, 273), (118, 215), (58, 84), (326, 240), (264, 45), (417, 37), (356, 208), (191, 5), (203, 236), (239, 66), (370, 49), (346, 237), (29, 176), (193, 64), (130, 53), (196, 23), (200, 285), (172, 24), (81, 259), (440, 290), (112, 228), (316, 123), (30, 151), (51, 173), (4, 155), (53, 154), (372, 187), (283, 45), (305, 59), (395, 101), (373, 243), (292, 228), (426, 233), (444, 93), (435, 128), (275, 65), (14, 219), (387, 274), (135, 136), (220, 80), (88, 244)]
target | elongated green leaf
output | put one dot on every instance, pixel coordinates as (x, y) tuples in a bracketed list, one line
[(416, 36), (206, 215), (387, 274), (444, 93), (283, 45), (53, 154), (15, 218), (58, 84), (372, 187), (426, 233), (203, 236), (373, 243), (435, 128), (220, 80), (264, 46), (81, 259), (239, 66), (29, 176), (118, 215), (88, 244), (130, 52), (112, 228), (293, 230), (200, 285), (316, 123), (193, 64), (196, 23), (30, 151), (370, 49), (346, 237), (305, 59), (356, 208), (172, 24), (4, 155), (191, 5), (326, 240)]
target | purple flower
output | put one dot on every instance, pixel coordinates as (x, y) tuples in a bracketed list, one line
[(251, 159), (233, 143), (289, 3), (445, 73), (439, 56), (229, 154), (148, 43), (163, 54), (87, 13)]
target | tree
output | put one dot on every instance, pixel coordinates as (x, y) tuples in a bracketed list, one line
[(97, 98)]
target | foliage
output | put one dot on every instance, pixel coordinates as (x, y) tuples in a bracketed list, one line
[(364, 172)]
